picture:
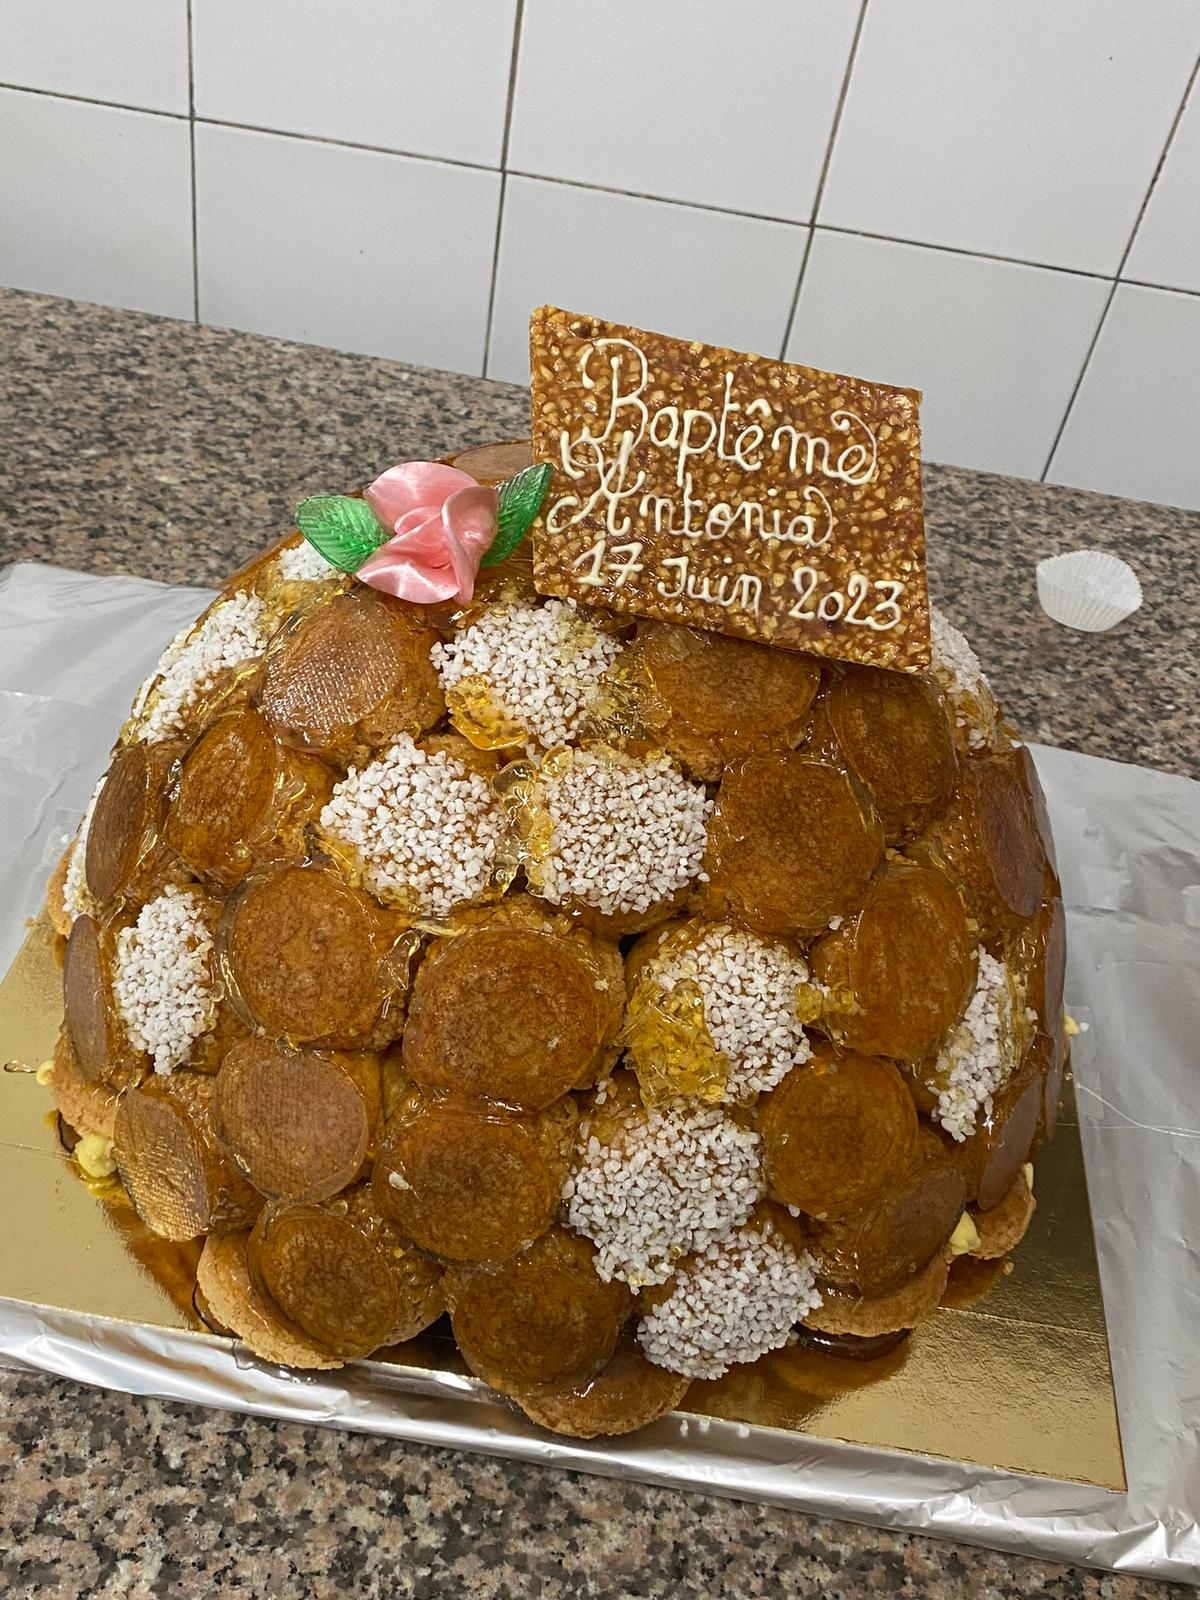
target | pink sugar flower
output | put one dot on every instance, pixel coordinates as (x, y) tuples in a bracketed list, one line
[(442, 523)]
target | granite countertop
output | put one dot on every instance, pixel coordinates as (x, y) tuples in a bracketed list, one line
[(133, 444)]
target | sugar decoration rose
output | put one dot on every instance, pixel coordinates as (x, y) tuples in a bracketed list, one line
[(442, 523), (423, 529)]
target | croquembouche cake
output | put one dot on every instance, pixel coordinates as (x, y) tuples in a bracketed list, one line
[(642, 997)]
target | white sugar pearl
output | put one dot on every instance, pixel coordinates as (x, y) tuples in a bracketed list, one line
[(75, 881), (426, 827), (973, 1064), (542, 664), (163, 978), (233, 632), (748, 987), (673, 1180), (740, 1298), (303, 563), (611, 849)]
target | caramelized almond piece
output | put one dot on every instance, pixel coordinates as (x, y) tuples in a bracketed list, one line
[(93, 1026), (990, 842), (304, 955), (513, 1015), (904, 970), (838, 1130), (85, 1104), (914, 1302), (876, 1250), (237, 789), (339, 1274), (791, 844), (491, 464), (230, 1300), (170, 1163), (998, 1151), (1003, 1225), (894, 733), (1028, 774), (297, 1123), (1040, 957), (471, 1183), (123, 834), (712, 698), (351, 675), (540, 1317), (627, 1393)]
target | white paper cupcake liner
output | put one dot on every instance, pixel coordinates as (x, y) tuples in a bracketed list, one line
[(1088, 590)]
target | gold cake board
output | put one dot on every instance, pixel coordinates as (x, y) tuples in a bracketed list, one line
[(1019, 1380)]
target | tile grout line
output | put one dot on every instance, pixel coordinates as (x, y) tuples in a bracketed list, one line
[(348, 144), (1117, 278), (518, 17), (656, 199), (192, 153), (974, 255), (1158, 288), (823, 175), (90, 100), (1162, 161), (1114, 285), (491, 302), (597, 188), (405, 155), (568, 183), (256, 127)]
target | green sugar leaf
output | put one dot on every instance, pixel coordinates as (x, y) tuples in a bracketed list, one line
[(345, 531), (520, 501)]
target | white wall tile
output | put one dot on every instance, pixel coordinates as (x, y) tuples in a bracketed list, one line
[(96, 204), (1135, 425), (670, 268), (373, 253), (996, 348), (1167, 247), (411, 75), (133, 52), (688, 99), (1015, 127)]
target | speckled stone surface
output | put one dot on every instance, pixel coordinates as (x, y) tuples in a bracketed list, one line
[(133, 444), (107, 1496)]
